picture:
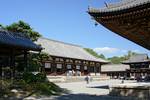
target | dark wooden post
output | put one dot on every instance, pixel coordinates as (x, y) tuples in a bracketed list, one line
[(88, 68), (12, 64), (82, 68), (95, 68), (55, 66), (64, 67), (25, 61), (1, 72)]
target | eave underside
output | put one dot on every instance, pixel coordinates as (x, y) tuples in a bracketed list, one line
[(134, 26)]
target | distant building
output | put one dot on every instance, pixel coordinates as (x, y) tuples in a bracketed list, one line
[(69, 59), (139, 65), (114, 70)]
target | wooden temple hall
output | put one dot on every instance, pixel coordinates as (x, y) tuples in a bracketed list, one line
[(14, 48), (139, 65), (69, 59)]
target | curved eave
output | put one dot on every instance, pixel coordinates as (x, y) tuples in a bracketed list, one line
[(28, 48), (14, 41), (140, 11)]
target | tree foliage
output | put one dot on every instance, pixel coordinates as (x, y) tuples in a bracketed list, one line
[(92, 52), (35, 61), (24, 28), (117, 60)]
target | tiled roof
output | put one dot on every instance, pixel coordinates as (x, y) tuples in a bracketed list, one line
[(17, 40), (61, 49), (123, 4), (137, 58), (114, 67)]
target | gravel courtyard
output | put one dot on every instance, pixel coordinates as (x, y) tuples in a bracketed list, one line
[(97, 90)]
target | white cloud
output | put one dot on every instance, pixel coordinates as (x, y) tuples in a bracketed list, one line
[(137, 51), (110, 51), (106, 50)]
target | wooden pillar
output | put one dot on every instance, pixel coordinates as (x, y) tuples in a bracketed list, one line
[(88, 68), (25, 61), (95, 68), (82, 68), (100, 68), (55, 68), (1, 72), (72, 66), (12, 64), (64, 67)]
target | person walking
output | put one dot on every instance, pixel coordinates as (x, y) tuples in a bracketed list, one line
[(87, 79)]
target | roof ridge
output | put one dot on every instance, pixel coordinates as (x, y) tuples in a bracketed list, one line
[(119, 6), (61, 42), (120, 3)]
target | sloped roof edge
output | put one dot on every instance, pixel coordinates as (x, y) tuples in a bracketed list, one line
[(66, 50)]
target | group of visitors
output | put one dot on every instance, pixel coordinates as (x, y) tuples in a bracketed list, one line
[(73, 73)]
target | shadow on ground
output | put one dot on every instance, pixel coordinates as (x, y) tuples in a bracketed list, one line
[(100, 87), (90, 97)]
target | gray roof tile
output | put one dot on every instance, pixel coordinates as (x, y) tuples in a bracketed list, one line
[(61, 49), (114, 67), (123, 4), (137, 58), (12, 39)]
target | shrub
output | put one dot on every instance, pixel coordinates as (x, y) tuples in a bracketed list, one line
[(31, 84), (43, 88), (5, 87), (18, 84), (31, 78), (40, 77)]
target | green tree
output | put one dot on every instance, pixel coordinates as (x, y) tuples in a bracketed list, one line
[(117, 60), (35, 60), (129, 54), (1, 26), (102, 56), (92, 52), (24, 28)]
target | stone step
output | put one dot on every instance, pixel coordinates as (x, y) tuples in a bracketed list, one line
[(74, 78)]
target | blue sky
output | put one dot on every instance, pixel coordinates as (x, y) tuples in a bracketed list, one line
[(68, 21)]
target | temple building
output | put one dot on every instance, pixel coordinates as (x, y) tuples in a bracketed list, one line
[(114, 71), (14, 50), (127, 18), (139, 65), (69, 59)]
